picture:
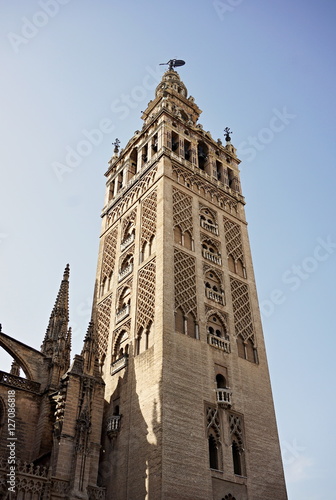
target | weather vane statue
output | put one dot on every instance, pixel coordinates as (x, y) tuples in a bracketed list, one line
[(227, 133), (173, 63), (116, 145)]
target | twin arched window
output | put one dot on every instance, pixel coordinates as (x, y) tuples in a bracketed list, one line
[(121, 347), (144, 339), (147, 249), (185, 323), (183, 238), (215, 326)]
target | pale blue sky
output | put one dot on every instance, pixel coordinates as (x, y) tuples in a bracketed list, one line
[(265, 69)]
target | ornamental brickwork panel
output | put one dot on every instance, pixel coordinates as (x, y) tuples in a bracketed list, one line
[(103, 322), (241, 309), (233, 239), (109, 253), (185, 282), (132, 195), (148, 218), (146, 295), (204, 188), (182, 211)]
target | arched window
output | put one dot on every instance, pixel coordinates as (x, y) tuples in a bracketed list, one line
[(219, 170), (177, 235), (111, 190), (179, 320), (241, 347), (133, 163), (175, 142), (213, 452), (187, 240), (121, 346), (155, 143), (240, 269), (231, 264), (125, 298), (109, 281), (144, 155), (247, 349), (202, 154), (213, 287), (102, 286), (191, 325), (128, 261), (149, 335), (208, 220), (124, 305), (144, 251), (151, 245), (220, 381), (139, 342), (144, 339), (126, 267), (187, 150), (236, 457), (250, 351), (128, 236), (211, 252)]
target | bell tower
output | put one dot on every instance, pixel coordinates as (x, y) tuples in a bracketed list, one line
[(189, 409)]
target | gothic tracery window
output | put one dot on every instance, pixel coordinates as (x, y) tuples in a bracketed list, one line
[(214, 439), (237, 444)]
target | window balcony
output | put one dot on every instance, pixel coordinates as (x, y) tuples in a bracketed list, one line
[(122, 313), (127, 242), (125, 272), (212, 257), (119, 364), (113, 426), (219, 342), (209, 227), (215, 296), (224, 397)]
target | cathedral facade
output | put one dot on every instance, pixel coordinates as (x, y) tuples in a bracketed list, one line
[(170, 397)]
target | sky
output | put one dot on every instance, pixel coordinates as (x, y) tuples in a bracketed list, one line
[(77, 74)]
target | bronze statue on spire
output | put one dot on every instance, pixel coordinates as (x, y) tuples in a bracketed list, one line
[(173, 63)]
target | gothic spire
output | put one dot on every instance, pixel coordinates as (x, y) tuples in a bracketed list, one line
[(89, 351), (57, 332)]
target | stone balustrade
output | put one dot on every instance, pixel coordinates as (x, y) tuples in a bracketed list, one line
[(209, 227), (119, 364), (125, 272), (219, 342), (122, 313), (19, 382), (127, 242), (216, 259), (224, 397), (215, 296)]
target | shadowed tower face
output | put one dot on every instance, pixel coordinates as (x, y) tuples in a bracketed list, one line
[(189, 412)]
